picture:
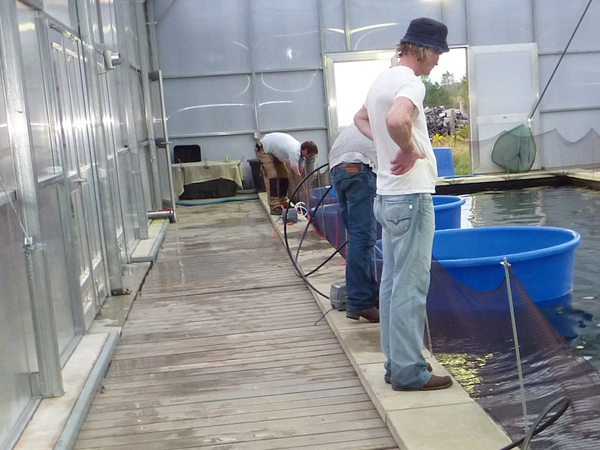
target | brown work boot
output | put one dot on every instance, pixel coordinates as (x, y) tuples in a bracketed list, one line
[(276, 210), (435, 383), (371, 314)]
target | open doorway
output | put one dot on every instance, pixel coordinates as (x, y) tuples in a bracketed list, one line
[(349, 76), (447, 106)]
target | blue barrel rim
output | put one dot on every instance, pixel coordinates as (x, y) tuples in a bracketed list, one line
[(458, 202), (511, 257)]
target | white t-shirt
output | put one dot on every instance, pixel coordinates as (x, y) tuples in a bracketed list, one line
[(400, 81), (282, 146), (353, 146)]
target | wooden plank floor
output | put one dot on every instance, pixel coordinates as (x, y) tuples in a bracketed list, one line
[(221, 351)]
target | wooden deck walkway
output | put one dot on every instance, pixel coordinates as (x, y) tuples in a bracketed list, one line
[(221, 351)]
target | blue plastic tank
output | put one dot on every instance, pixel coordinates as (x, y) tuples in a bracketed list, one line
[(315, 195), (445, 163), (447, 211), (542, 258)]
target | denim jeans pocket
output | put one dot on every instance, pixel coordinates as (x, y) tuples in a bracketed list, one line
[(398, 215)]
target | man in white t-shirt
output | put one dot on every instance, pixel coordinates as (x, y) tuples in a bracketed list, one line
[(274, 150), (393, 117)]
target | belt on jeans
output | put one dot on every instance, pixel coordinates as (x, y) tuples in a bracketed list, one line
[(357, 165)]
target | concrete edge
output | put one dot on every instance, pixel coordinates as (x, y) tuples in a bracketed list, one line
[(157, 241), (79, 412)]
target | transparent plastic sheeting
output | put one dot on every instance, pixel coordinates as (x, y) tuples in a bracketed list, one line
[(552, 150), (471, 335)]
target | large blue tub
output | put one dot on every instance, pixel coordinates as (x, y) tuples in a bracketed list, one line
[(446, 207), (541, 258), (315, 194), (327, 219), (447, 211)]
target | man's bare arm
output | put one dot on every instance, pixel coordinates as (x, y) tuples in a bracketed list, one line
[(361, 120), (296, 168), (399, 125)]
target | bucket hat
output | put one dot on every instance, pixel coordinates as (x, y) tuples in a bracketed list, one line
[(427, 32)]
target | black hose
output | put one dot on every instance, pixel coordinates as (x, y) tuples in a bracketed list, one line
[(287, 245), (327, 260), (310, 220), (536, 428)]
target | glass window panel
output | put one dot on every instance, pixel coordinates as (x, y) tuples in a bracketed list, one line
[(117, 111), (575, 83), (291, 100), (216, 41), (380, 25), (59, 9), (145, 170), (80, 122), (7, 175), (127, 195), (65, 108), (17, 352), (58, 274), (286, 34), (131, 33), (512, 24), (334, 26), (108, 19), (137, 95), (95, 20), (209, 104), (556, 21), (106, 110), (47, 160)]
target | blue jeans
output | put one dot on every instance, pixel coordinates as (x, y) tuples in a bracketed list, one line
[(355, 189), (408, 225)]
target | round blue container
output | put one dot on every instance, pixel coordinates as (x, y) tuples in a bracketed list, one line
[(328, 221), (315, 195), (445, 164), (447, 211), (541, 258)]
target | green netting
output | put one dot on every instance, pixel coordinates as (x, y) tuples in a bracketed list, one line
[(515, 150)]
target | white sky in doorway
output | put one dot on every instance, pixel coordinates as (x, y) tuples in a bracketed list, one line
[(454, 62), (353, 79)]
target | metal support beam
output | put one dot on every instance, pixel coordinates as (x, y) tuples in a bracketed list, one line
[(140, 15), (48, 356)]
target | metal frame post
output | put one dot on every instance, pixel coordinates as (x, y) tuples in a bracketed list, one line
[(140, 16)]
